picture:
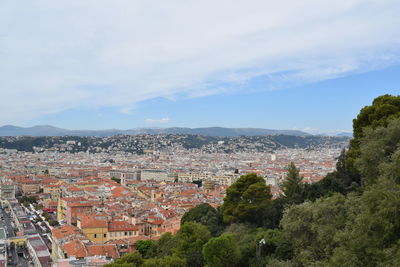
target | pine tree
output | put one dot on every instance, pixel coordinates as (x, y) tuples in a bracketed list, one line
[(292, 186)]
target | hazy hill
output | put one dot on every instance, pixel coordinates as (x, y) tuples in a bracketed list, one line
[(48, 130)]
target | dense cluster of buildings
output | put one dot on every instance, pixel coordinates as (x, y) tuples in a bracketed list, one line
[(102, 204)]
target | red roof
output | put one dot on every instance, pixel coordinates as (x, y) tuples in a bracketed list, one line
[(118, 226)]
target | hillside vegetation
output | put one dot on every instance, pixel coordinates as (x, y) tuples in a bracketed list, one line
[(350, 218), (138, 143)]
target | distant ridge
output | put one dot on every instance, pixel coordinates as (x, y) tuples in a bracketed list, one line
[(48, 130), (345, 134)]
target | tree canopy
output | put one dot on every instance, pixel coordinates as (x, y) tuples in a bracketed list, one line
[(190, 241), (205, 215), (245, 199), (222, 251), (293, 183), (143, 246), (379, 152), (383, 109)]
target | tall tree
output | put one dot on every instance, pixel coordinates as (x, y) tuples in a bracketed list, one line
[(190, 240), (246, 199), (207, 216), (143, 246), (311, 226), (221, 251), (293, 184), (383, 109), (371, 236), (162, 247), (379, 149), (133, 259), (169, 261)]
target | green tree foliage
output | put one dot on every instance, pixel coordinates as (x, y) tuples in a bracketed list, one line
[(53, 223), (379, 152), (279, 263), (383, 109), (244, 235), (205, 215), (133, 259), (162, 247), (46, 215), (222, 251), (29, 199), (271, 215), (247, 237), (169, 261), (292, 186), (190, 241), (118, 180), (199, 183), (245, 199), (372, 233), (352, 230), (391, 168), (311, 227), (340, 181), (143, 246)]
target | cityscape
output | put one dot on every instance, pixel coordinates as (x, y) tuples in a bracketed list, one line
[(63, 204), (224, 133)]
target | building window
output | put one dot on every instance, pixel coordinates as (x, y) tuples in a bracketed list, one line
[(105, 235), (95, 235), (126, 233)]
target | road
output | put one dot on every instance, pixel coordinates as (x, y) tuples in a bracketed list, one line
[(43, 235), (18, 260), (22, 261), (15, 260), (6, 221)]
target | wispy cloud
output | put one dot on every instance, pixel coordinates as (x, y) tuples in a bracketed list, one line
[(317, 131), (163, 120), (127, 110), (58, 55)]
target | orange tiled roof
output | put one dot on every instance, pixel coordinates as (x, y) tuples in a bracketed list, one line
[(81, 204), (120, 191), (118, 226), (108, 250), (64, 231), (92, 222), (75, 248)]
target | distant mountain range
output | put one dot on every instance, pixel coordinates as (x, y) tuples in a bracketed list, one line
[(48, 130), (345, 134)]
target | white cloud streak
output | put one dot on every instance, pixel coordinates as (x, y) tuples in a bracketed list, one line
[(317, 131), (58, 55)]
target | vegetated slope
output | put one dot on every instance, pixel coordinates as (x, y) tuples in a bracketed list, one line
[(164, 142)]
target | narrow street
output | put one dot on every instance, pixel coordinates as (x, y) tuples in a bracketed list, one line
[(6, 221)]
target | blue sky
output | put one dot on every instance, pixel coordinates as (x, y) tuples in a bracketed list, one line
[(325, 106), (308, 65)]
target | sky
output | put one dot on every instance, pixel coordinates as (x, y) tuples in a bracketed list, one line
[(94, 64)]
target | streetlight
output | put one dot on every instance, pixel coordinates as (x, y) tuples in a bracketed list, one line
[(258, 248)]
